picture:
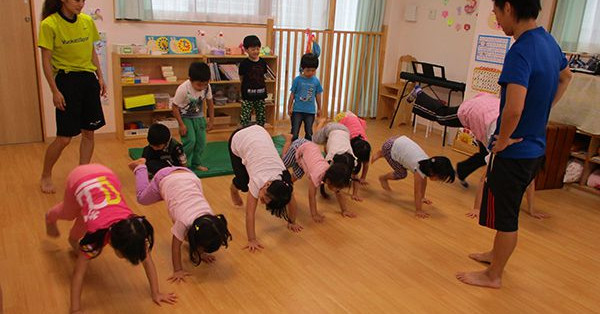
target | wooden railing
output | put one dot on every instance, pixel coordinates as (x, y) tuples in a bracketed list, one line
[(347, 58)]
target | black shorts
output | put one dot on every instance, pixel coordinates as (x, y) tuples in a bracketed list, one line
[(241, 178), (505, 184), (82, 97)]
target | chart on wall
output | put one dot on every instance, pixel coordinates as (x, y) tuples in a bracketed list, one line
[(485, 79), (100, 47), (492, 49)]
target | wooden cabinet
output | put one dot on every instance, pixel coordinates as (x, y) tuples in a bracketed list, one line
[(228, 114)]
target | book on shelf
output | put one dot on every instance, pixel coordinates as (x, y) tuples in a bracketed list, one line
[(270, 75), (230, 71)]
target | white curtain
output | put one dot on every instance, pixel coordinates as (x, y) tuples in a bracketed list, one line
[(589, 39), (225, 11), (311, 14)]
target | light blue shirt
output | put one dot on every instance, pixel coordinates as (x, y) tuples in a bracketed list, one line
[(305, 91)]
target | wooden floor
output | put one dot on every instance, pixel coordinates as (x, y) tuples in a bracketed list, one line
[(383, 261)]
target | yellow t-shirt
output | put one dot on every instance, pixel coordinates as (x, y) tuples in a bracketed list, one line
[(71, 43)]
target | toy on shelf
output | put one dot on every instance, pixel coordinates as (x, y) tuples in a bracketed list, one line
[(168, 73)]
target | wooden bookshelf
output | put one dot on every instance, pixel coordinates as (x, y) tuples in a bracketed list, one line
[(150, 65), (590, 158)]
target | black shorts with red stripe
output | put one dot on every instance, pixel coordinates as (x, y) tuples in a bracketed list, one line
[(505, 184)]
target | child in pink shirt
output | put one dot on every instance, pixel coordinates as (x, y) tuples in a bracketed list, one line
[(93, 199), (304, 156), (192, 216), (358, 140)]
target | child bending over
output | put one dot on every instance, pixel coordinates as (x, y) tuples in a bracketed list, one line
[(402, 153), (304, 156), (192, 216), (93, 200), (358, 140), (258, 169)]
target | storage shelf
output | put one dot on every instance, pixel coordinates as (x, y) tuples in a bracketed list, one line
[(585, 188), (236, 82), (237, 105), (187, 56), (161, 83), (579, 155), (146, 111), (390, 96)]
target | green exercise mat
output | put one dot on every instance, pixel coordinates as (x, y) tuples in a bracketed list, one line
[(215, 158)]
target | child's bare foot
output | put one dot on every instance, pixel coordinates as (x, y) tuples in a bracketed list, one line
[(479, 278), (485, 257), (235, 196), (201, 168), (47, 186), (52, 229), (207, 258), (421, 214), (288, 137), (385, 184), (132, 165)]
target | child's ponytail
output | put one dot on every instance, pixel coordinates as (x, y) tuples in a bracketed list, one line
[(50, 7), (209, 233), (133, 238), (439, 167), (280, 193)]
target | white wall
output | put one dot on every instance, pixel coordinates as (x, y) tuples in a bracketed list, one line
[(126, 33), (428, 40)]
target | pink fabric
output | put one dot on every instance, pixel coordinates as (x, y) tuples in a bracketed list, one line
[(355, 125), (594, 179), (478, 113), (92, 198), (311, 160)]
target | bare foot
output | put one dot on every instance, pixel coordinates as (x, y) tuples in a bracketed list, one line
[(421, 214), (52, 229), (485, 257), (235, 196), (201, 168), (47, 186), (479, 278), (207, 258), (348, 214), (288, 137), (385, 184)]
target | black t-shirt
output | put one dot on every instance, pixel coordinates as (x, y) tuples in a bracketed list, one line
[(170, 156), (253, 80)]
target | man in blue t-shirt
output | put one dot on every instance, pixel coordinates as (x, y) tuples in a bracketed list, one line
[(534, 78), (305, 92)]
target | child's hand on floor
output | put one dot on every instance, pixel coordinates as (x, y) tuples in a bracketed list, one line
[(318, 218), (427, 201), (169, 298), (140, 161), (473, 213), (348, 214), (364, 182), (178, 276), (421, 214), (294, 227), (357, 198), (207, 258), (253, 246)]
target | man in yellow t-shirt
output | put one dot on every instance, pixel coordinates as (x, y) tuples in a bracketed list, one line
[(72, 70)]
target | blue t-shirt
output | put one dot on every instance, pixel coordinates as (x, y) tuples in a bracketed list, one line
[(305, 90), (535, 62)]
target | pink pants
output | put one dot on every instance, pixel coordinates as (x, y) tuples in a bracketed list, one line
[(69, 208)]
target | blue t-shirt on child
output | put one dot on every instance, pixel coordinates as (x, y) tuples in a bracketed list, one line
[(305, 90), (535, 62)]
